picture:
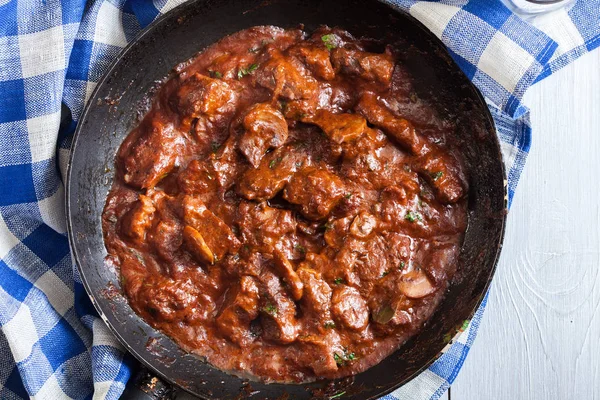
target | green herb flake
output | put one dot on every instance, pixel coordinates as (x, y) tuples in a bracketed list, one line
[(270, 309), (328, 226), (215, 74), (338, 281), (436, 175), (351, 357), (342, 359), (465, 324), (338, 359), (329, 325), (401, 265), (348, 195), (448, 337), (300, 248), (246, 71), (385, 273), (330, 41), (337, 395), (274, 162), (413, 216)]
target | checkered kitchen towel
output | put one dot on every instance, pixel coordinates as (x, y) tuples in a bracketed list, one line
[(52, 343)]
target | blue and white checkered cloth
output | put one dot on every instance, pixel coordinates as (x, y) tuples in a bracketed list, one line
[(52, 343)]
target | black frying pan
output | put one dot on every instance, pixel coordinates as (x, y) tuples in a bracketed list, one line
[(113, 111)]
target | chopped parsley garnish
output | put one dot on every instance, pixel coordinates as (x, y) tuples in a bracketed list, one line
[(329, 325), (401, 265), (437, 175), (330, 41), (465, 324), (342, 359), (327, 226), (385, 273), (300, 248), (270, 309), (348, 195), (246, 71), (338, 281), (413, 216), (337, 395), (215, 74), (274, 162)]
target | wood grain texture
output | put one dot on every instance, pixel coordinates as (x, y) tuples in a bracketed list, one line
[(540, 335)]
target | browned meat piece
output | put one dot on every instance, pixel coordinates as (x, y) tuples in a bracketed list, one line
[(153, 155), (262, 226), (317, 294), (265, 128), (275, 170), (196, 245), (367, 143), (398, 128), (369, 66), (168, 300), (286, 270), (349, 308), (200, 95), (227, 164), (167, 238), (214, 232), (239, 309), (441, 262), (277, 311), (340, 128), (316, 191), (443, 174), (138, 219), (336, 231), (286, 77), (316, 352), (199, 178), (316, 58)]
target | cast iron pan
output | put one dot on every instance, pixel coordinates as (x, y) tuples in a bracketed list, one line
[(113, 111)]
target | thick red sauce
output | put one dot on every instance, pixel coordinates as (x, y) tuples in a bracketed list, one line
[(289, 208)]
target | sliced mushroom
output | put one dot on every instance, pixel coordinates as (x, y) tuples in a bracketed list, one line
[(416, 285), (363, 225), (195, 243)]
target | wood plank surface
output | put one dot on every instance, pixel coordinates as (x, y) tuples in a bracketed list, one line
[(540, 335)]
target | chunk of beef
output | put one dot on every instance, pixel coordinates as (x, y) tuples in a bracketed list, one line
[(275, 170), (316, 191), (167, 238), (239, 309), (287, 272), (198, 179), (443, 174), (369, 66), (336, 231), (263, 227), (398, 128), (227, 164), (316, 353), (340, 128), (316, 58), (138, 219), (367, 143), (154, 153), (168, 300), (441, 261), (317, 295), (265, 128), (200, 95), (286, 77), (277, 311), (349, 308), (217, 236)]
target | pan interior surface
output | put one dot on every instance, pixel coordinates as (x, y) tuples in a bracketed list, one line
[(122, 95)]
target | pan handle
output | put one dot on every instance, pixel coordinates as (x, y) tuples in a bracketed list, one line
[(147, 386)]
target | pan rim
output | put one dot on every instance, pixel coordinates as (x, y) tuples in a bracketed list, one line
[(90, 104)]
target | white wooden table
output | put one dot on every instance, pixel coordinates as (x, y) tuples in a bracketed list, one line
[(540, 334)]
